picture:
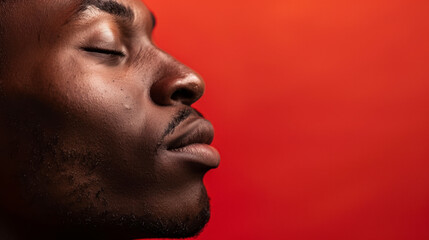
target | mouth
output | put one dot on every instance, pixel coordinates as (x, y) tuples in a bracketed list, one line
[(190, 141)]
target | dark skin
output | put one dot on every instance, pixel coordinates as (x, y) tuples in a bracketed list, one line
[(98, 138)]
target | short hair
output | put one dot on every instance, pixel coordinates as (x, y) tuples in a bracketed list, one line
[(3, 10), (5, 6), (2, 35)]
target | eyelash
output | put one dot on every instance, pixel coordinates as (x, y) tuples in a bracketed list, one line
[(103, 51)]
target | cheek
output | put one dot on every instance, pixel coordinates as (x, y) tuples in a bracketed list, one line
[(107, 110), (93, 93)]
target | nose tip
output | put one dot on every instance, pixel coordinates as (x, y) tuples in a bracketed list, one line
[(178, 90)]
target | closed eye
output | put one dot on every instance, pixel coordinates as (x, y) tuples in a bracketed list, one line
[(103, 51)]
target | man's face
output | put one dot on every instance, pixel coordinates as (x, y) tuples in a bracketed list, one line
[(97, 122)]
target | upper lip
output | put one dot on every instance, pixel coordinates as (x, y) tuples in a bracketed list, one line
[(194, 130)]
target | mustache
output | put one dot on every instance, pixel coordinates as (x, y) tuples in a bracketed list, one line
[(180, 116)]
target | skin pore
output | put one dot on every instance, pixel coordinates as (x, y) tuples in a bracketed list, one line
[(97, 134)]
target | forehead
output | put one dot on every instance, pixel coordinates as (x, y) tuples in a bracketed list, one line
[(58, 15), (48, 13)]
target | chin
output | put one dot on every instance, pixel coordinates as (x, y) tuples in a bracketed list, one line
[(181, 225), (182, 220)]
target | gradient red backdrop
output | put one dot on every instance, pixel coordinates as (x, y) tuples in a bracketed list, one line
[(321, 110)]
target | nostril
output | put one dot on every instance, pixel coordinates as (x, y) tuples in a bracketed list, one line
[(184, 95), (179, 89)]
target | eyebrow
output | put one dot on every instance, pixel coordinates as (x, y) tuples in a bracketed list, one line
[(108, 6), (112, 7)]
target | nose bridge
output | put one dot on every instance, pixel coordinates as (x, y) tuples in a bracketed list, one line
[(175, 83)]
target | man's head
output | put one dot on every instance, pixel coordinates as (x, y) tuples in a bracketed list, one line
[(97, 135)]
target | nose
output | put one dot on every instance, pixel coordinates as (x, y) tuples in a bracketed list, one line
[(177, 85)]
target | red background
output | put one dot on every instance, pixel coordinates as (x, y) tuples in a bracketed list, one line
[(321, 110)]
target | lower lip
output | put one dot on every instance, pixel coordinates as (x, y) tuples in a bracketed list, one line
[(200, 153)]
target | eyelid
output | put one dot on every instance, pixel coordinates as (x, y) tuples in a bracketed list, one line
[(104, 51)]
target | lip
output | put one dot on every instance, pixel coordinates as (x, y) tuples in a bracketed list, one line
[(191, 141)]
